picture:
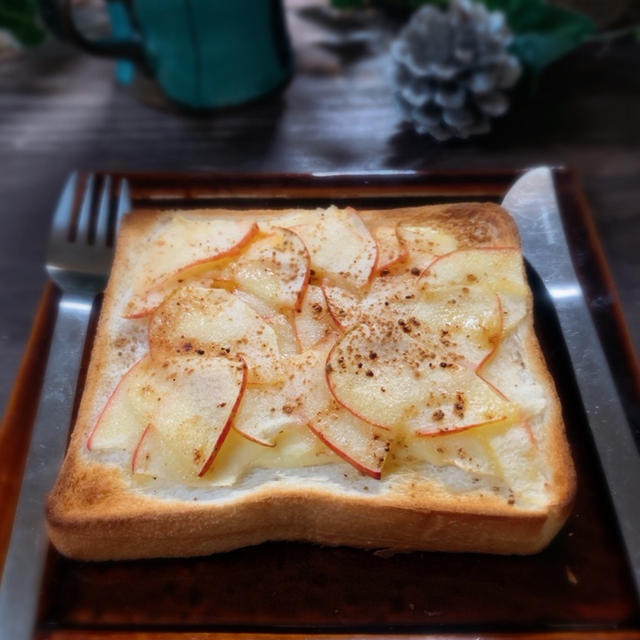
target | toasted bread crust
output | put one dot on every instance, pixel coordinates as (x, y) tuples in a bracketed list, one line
[(92, 514)]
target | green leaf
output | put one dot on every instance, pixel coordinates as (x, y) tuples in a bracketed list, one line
[(542, 32), (19, 17)]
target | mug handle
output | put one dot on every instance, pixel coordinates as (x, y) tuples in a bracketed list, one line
[(58, 15)]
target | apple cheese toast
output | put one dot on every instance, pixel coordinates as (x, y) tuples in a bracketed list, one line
[(353, 378)]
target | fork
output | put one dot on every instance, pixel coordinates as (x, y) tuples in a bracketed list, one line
[(79, 258)]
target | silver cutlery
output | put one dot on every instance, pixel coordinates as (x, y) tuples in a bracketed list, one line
[(532, 202), (78, 260)]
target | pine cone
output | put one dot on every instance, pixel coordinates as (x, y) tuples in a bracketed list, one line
[(450, 69)]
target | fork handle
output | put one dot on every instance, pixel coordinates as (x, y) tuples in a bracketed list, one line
[(24, 566)]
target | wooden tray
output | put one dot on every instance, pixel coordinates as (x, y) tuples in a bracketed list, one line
[(580, 587)]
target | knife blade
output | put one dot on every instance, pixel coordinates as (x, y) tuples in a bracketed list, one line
[(533, 204)]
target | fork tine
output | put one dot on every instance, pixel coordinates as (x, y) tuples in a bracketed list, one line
[(102, 221), (84, 218), (124, 205), (64, 210)]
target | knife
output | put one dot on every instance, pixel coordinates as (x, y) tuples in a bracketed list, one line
[(533, 204)]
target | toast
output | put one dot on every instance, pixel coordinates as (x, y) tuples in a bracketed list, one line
[(367, 378)]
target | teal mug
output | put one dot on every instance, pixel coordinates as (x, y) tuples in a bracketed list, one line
[(202, 54)]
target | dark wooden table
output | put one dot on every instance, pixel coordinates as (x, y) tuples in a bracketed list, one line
[(61, 110)]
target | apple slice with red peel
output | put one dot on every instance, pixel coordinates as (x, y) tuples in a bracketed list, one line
[(390, 251), (348, 309), (423, 244), (499, 269), (374, 373), (514, 383), (363, 446), (390, 375), (274, 268), (461, 402), (264, 413), (305, 388), (340, 245), (313, 322), (213, 322), (143, 454), (181, 249), (123, 419), (179, 402), (466, 320), (343, 306), (394, 288), (191, 404)]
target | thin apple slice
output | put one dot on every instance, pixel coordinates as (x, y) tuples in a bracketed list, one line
[(514, 309), (313, 322), (344, 307), (122, 420), (423, 244), (362, 445), (284, 329), (498, 268), (348, 308), (508, 374), (191, 404), (183, 401), (214, 322), (466, 450), (281, 323), (264, 414), (262, 308), (459, 402), (390, 251), (274, 268), (466, 320), (180, 249), (392, 375), (374, 372), (144, 454), (521, 462), (388, 296), (340, 245)]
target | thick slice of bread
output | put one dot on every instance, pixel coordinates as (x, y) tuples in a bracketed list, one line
[(501, 484)]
